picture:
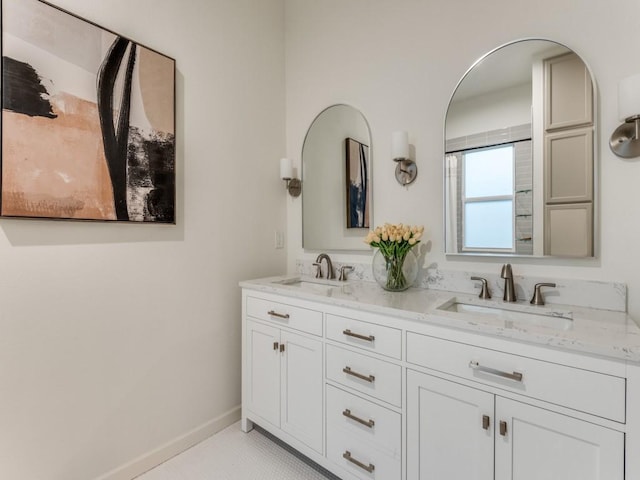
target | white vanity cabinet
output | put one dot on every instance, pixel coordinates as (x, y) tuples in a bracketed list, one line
[(455, 431), (527, 442), (282, 370), (385, 396)]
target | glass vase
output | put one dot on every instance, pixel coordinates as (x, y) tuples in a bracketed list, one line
[(395, 273)]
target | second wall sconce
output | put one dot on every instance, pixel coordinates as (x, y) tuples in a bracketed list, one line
[(294, 185), (406, 169), (625, 141)]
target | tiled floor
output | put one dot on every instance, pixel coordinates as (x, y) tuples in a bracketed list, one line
[(234, 455)]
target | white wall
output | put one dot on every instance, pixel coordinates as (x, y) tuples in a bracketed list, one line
[(398, 62), (491, 111), (121, 343)]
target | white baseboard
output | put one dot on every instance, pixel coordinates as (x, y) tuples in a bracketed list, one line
[(172, 448)]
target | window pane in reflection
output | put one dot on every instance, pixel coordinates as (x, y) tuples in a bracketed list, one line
[(488, 225), (489, 172)]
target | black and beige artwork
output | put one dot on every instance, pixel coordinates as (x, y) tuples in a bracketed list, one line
[(88, 120), (358, 190)]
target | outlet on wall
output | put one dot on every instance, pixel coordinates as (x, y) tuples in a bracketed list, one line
[(279, 239)]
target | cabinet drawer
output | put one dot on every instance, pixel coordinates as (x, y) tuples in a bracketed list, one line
[(371, 424), (364, 460), (369, 336), (368, 375), (298, 318), (583, 390)]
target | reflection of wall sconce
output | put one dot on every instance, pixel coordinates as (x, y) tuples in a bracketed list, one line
[(625, 141), (406, 169), (294, 185)]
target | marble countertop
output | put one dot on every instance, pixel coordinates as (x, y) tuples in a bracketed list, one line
[(599, 332)]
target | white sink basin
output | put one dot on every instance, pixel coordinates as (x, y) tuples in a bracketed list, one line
[(513, 313), (313, 284)]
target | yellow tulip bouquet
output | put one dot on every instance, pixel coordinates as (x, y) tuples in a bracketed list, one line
[(394, 243)]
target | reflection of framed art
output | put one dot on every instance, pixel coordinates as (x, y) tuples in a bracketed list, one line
[(88, 120), (358, 186)]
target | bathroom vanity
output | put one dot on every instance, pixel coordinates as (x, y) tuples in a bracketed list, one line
[(433, 384)]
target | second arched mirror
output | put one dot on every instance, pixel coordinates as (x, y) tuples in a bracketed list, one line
[(520, 168)]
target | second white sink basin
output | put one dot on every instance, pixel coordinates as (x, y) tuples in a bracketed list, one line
[(513, 313)]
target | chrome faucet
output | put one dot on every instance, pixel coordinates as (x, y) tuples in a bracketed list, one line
[(509, 290), (330, 273)]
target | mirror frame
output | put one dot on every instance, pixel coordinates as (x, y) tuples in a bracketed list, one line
[(596, 164)]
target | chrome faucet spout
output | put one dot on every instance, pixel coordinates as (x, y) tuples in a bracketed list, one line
[(330, 273), (509, 290)]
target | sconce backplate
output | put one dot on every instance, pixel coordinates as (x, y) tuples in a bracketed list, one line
[(625, 142), (406, 172)]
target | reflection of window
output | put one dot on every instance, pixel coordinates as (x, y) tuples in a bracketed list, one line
[(487, 199)]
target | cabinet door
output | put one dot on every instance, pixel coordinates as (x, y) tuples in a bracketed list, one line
[(446, 434), (539, 444), (302, 385), (263, 371), (568, 230), (568, 92)]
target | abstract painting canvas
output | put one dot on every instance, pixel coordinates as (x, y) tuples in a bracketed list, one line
[(88, 120), (358, 191)]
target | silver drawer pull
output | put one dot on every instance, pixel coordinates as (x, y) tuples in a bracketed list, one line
[(499, 373), (278, 315), (368, 338), (367, 423), (347, 456), (367, 378)]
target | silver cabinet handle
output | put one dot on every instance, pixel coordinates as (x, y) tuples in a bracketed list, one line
[(367, 378), (349, 333), (516, 376), (347, 456), (273, 313), (367, 423), (486, 422)]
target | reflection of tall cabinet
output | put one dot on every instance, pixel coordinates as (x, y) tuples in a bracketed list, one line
[(568, 157)]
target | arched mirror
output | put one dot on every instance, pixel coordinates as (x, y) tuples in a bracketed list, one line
[(520, 167), (336, 179)]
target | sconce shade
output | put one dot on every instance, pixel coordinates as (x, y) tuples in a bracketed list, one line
[(399, 145), (286, 168), (629, 97)]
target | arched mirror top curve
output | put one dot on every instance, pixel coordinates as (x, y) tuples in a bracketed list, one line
[(520, 167)]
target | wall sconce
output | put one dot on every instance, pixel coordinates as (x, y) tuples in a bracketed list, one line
[(625, 141), (406, 169), (294, 185)]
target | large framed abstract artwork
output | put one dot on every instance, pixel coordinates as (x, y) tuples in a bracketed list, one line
[(358, 184), (88, 120)]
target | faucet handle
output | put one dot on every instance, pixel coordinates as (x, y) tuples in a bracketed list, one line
[(537, 298), (484, 291), (318, 269), (343, 272)]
